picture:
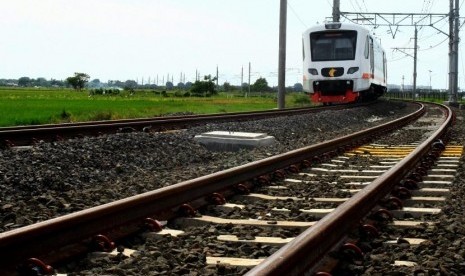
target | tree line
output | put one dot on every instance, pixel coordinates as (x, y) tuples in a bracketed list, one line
[(206, 86)]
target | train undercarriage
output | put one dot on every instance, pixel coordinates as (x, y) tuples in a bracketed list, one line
[(341, 92)]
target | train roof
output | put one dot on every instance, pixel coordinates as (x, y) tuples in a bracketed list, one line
[(336, 26)]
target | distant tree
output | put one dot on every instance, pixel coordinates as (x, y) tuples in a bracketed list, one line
[(117, 83), (245, 86), (260, 85), (130, 85), (169, 85), (152, 86), (8, 82), (298, 87), (227, 86), (188, 85), (56, 83), (79, 81), (95, 83), (42, 82), (206, 87), (24, 81)]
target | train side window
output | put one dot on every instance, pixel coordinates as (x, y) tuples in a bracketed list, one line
[(303, 50), (367, 47), (384, 66), (372, 55)]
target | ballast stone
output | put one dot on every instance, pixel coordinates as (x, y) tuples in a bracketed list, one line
[(233, 141)]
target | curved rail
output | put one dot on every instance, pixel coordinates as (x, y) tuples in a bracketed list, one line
[(26, 135), (58, 238), (305, 251)]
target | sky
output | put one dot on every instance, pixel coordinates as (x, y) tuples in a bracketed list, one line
[(150, 40)]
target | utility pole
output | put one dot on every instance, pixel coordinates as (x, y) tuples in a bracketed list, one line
[(415, 50), (403, 80), (336, 10), (456, 50), (249, 80), (282, 55), (451, 43), (395, 20), (430, 87), (242, 76), (454, 24), (216, 75)]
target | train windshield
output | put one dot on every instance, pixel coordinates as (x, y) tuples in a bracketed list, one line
[(329, 46)]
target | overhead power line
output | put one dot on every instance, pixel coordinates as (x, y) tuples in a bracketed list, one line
[(296, 15), (395, 20), (418, 20)]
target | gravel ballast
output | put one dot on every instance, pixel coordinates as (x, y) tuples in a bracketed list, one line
[(53, 179)]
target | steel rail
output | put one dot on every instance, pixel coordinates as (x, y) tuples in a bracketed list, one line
[(62, 237), (26, 135), (302, 255)]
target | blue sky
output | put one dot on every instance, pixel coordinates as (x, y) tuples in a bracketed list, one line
[(142, 39)]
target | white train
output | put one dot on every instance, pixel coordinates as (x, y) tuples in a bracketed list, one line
[(343, 63)]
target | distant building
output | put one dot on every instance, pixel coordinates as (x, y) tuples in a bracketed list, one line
[(394, 87), (407, 87)]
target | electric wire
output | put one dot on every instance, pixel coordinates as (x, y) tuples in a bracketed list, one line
[(353, 6), (296, 15), (365, 5), (331, 5), (432, 47), (397, 59), (358, 5)]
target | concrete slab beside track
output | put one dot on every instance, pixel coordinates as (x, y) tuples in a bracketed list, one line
[(231, 141)]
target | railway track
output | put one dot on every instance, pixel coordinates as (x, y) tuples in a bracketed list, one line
[(27, 135), (272, 180)]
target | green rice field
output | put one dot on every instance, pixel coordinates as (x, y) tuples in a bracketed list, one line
[(40, 106)]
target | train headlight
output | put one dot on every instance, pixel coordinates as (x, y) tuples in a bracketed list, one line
[(352, 70), (313, 71)]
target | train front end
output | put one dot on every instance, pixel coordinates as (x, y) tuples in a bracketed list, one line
[(335, 67)]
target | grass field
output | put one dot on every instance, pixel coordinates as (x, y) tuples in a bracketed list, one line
[(36, 106)]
